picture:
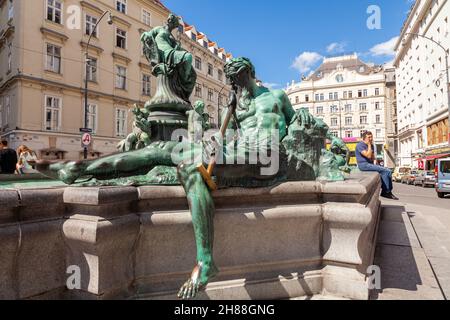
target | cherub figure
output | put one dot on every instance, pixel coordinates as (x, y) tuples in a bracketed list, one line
[(141, 135)]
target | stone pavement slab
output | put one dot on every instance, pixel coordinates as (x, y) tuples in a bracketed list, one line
[(406, 273)]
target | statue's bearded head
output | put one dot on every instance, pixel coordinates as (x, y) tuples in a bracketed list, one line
[(240, 71), (173, 21)]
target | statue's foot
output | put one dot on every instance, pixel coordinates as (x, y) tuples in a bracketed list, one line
[(201, 275), (67, 172)]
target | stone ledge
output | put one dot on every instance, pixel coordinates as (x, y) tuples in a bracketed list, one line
[(100, 196)]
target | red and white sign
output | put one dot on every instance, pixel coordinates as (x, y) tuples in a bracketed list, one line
[(86, 139)]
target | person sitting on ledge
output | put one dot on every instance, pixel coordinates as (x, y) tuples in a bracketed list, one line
[(365, 155)]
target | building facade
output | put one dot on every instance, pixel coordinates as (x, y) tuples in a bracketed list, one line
[(392, 147), (42, 72), (349, 95), (422, 87)]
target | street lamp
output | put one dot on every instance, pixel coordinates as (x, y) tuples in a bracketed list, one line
[(86, 81), (404, 43)]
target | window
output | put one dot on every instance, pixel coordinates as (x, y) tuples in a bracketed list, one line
[(146, 17), (54, 11), (334, 122), (53, 58), (360, 94), (193, 37), (377, 106), (334, 133), (348, 121), (336, 96), (365, 93), (363, 119), (121, 38), (363, 107), (121, 77), (121, 6), (198, 90), (210, 70), (220, 75), (377, 91), (349, 134), (90, 25), (92, 117), (210, 95), (52, 113), (322, 97), (198, 63), (146, 85), (307, 98), (319, 110), (330, 96), (92, 70), (350, 94), (317, 97), (220, 100), (378, 133), (297, 100), (348, 108), (334, 109), (378, 119), (345, 95), (121, 122)]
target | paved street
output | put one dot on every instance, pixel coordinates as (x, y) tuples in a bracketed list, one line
[(414, 245)]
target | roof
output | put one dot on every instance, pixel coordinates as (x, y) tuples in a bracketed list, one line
[(351, 62)]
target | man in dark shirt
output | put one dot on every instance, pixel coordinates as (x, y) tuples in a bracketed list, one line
[(8, 159), (365, 155)]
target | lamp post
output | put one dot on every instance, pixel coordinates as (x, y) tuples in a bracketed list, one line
[(404, 42), (86, 80)]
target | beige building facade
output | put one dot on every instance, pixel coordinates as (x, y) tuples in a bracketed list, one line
[(348, 95), (42, 72), (422, 85)]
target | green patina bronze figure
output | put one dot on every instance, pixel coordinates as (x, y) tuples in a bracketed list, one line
[(268, 142)]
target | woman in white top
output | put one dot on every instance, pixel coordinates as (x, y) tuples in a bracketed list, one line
[(25, 154)]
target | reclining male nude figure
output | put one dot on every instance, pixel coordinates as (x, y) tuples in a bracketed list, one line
[(259, 110)]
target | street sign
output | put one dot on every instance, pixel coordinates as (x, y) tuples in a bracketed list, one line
[(85, 130), (86, 140)]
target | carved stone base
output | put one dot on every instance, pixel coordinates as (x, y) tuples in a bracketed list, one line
[(295, 239)]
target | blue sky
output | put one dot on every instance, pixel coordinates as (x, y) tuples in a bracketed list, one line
[(285, 38)]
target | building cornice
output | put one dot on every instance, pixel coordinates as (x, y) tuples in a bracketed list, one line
[(99, 50), (53, 33), (62, 86), (58, 134), (92, 7), (120, 57), (291, 90), (119, 20)]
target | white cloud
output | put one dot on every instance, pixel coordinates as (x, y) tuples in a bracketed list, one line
[(336, 47), (384, 49), (270, 85), (305, 61)]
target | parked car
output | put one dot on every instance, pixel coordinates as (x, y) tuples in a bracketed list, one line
[(410, 178), (399, 173), (425, 179), (442, 171)]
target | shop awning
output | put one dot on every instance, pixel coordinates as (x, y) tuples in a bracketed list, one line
[(429, 158)]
